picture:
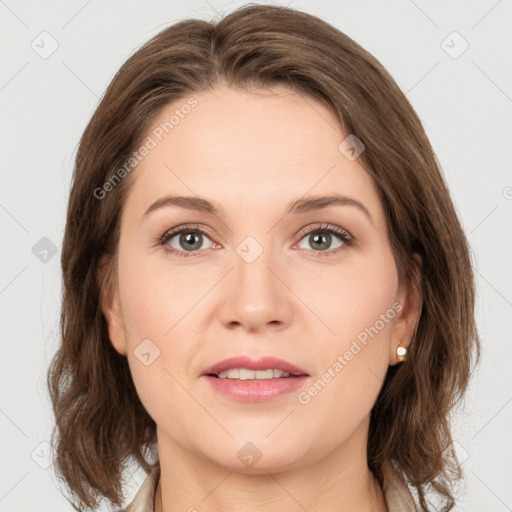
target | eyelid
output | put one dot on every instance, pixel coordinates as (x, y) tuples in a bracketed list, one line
[(346, 237), (176, 230), (183, 227), (324, 226)]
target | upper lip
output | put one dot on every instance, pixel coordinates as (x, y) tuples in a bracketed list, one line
[(263, 363)]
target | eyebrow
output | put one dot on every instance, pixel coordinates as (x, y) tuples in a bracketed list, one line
[(302, 205)]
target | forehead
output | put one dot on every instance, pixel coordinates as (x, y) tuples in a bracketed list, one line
[(248, 150)]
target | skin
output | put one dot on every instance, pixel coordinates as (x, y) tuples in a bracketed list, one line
[(254, 152)]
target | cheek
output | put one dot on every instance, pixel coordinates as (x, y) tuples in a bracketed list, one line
[(353, 363), (159, 314), (352, 297), (154, 299)]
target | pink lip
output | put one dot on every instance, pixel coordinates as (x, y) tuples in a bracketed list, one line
[(256, 390), (264, 363)]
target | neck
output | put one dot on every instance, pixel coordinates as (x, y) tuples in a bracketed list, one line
[(339, 481)]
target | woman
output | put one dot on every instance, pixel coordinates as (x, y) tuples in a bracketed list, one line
[(266, 284)]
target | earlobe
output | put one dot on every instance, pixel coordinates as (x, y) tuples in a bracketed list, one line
[(407, 321), (110, 304)]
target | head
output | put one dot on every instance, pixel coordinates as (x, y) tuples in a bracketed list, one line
[(251, 117)]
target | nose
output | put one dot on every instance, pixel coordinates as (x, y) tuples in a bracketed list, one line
[(255, 296)]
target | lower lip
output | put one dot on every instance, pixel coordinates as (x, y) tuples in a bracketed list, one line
[(256, 390)]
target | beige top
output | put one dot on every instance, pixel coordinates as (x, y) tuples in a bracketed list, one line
[(397, 494)]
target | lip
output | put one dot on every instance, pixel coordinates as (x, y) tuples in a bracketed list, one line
[(256, 390), (263, 363)]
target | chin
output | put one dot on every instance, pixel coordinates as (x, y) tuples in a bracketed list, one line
[(254, 458)]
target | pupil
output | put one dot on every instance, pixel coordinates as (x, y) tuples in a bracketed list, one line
[(190, 241), (322, 240)]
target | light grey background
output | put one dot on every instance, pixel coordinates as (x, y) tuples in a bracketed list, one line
[(464, 101)]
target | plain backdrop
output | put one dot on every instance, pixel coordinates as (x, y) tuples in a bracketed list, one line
[(452, 59)]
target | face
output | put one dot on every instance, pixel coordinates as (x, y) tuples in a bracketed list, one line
[(315, 286)]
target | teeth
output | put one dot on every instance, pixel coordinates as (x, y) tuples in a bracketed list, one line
[(244, 374)]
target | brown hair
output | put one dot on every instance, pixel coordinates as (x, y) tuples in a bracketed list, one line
[(100, 421)]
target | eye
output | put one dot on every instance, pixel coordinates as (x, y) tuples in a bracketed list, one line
[(185, 241), (320, 239), (190, 240)]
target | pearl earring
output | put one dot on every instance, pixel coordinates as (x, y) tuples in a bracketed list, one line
[(401, 353)]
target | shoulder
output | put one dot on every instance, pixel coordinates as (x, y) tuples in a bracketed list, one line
[(144, 499)]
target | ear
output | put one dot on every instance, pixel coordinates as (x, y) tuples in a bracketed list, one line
[(110, 303), (410, 298)]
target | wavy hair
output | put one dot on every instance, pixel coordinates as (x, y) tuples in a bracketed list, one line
[(100, 422)]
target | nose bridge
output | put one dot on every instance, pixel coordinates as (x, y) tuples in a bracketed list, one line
[(256, 296)]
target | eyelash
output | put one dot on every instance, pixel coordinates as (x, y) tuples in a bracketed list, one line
[(343, 235)]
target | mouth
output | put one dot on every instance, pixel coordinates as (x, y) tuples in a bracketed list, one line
[(248, 380), (246, 374), (245, 368)]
